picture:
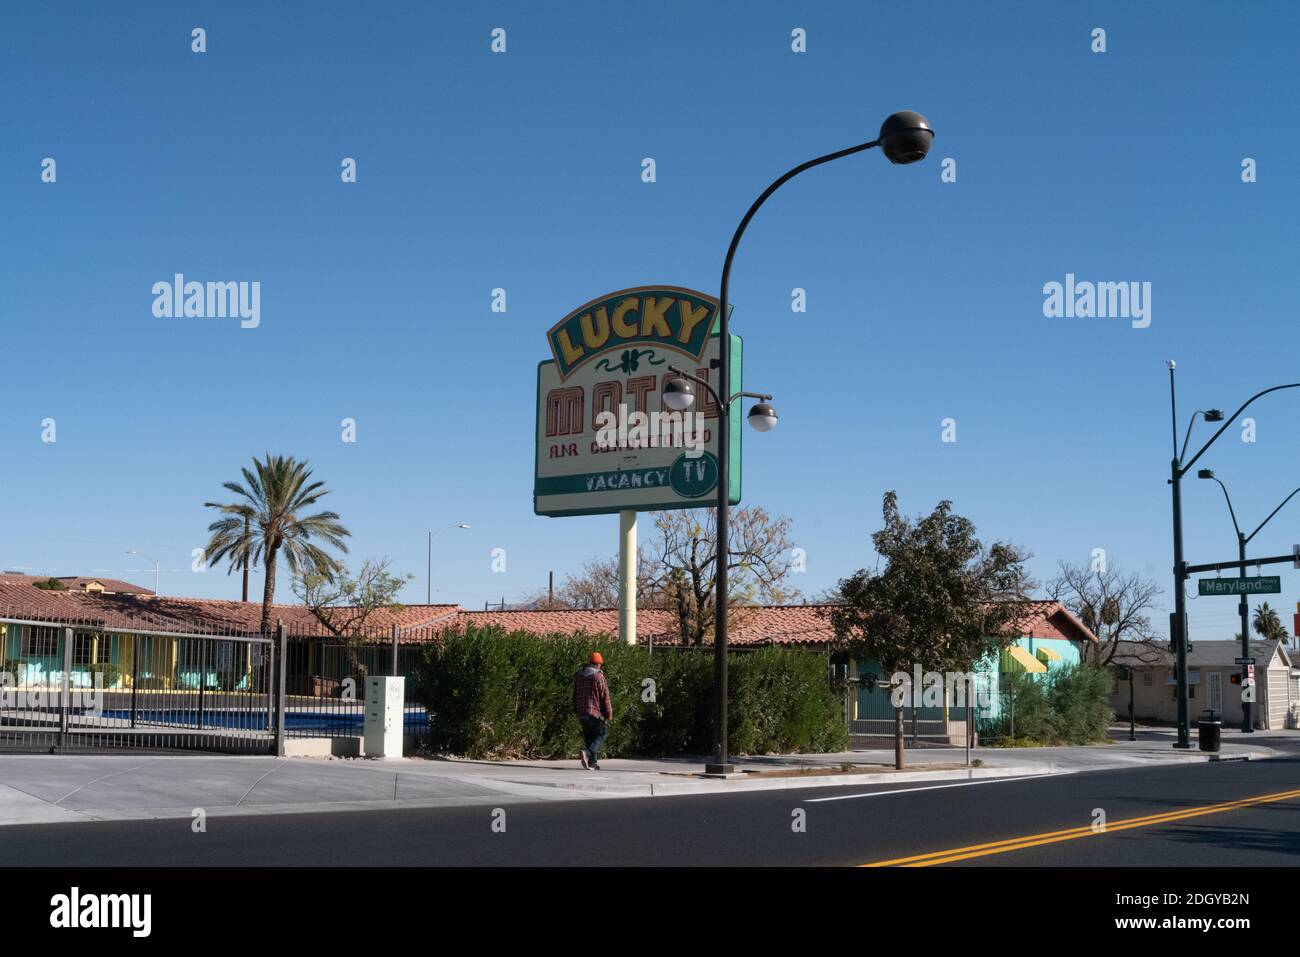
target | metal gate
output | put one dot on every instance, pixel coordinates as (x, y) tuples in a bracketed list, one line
[(81, 686)]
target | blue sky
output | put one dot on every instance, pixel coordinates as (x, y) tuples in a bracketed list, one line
[(522, 171)]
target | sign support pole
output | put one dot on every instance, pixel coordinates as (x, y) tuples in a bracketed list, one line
[(627, 576)]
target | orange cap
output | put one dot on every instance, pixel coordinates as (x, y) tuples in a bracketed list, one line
[(596, 659)]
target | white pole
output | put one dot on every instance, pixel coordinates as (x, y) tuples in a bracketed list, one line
[(627, 576)]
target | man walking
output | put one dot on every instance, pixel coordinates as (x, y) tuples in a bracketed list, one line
[(591, 705)]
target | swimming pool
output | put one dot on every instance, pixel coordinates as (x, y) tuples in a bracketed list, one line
[(343, 723)]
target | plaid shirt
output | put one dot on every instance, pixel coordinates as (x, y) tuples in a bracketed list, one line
[(591, 695)]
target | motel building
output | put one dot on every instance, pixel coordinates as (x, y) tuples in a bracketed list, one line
[(1047, 637), (1213, 677), (120, 633), (123, 634)]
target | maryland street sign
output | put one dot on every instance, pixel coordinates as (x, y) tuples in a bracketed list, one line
[(1262, 585)]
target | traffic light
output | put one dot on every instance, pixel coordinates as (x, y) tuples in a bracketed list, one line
[(1234, 679)]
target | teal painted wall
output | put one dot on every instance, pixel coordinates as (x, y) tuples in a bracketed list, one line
[(874, 702)]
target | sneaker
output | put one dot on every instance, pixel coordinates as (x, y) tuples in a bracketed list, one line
[(595, 766), (586, 766)]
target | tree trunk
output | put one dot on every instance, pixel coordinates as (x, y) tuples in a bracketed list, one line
[(268, 592), (898, 738)]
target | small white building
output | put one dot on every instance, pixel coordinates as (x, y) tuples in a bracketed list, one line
[(1211, 671)]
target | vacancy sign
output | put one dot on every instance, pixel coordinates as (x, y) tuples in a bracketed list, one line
[(605, 440)]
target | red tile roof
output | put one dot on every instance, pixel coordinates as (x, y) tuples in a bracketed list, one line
[(750, 625), (23, 600), (78, 582)]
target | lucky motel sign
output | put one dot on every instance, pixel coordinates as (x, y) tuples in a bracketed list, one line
[(605, 440)]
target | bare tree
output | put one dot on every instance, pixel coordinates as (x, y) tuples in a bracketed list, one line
[(597, 586), (758, 557), (1116, 606), (345, 604), (676, 570)]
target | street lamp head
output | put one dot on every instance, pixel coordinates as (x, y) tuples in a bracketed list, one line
[(679, 394), (1205, 473), (905, 137), (1171, 365), (1213, 415), (463, 525), (763, 417)]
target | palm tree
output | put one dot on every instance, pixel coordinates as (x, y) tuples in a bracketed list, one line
[(1268, 625), (275, 492)]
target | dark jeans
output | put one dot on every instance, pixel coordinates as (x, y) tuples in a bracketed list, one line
[(593, 734)]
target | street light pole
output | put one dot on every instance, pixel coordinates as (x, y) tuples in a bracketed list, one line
[(156, 576), (1179, 467), (429, 586), (905, 138), (1243, 540)]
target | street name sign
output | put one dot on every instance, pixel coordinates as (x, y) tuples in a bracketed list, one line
[(1243, 661), (605, 442), (1261, 585)]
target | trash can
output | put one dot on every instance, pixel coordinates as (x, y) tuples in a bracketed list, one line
[(1209, 729)]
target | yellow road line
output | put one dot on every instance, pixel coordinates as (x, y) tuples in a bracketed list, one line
[(1070, 834)]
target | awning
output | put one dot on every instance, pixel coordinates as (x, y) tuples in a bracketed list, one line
[(1016, 660), (1047, 654)]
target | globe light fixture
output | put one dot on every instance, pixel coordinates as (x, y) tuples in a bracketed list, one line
[(679, 394), (905, 137), (763, 417)]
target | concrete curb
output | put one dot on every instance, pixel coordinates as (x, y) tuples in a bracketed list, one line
[(693, 785), (696, 785)]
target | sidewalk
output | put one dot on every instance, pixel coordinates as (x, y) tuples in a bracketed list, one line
[(69, 788)]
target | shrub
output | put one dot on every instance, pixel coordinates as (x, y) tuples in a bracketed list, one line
[(1077, 696), (1066, 706), (492, 694)]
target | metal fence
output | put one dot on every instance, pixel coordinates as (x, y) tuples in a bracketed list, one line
[(325, 679), (870, 717), (81, 685)]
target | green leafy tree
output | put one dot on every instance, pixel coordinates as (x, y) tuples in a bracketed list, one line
[(275, 493), (1268, 625), (943, 600)]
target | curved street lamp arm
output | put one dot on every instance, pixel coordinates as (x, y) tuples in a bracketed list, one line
[(760, 396), (777, 184), (723, 406), (1270, 515), (1229, 420), (1230, 508), (1188, 437)]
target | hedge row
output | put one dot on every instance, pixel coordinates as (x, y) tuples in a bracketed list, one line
[(492, 694)]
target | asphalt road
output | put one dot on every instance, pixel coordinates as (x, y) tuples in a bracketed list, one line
[(1222, 814)]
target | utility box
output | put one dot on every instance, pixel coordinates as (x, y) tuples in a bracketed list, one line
[(385, 697)]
